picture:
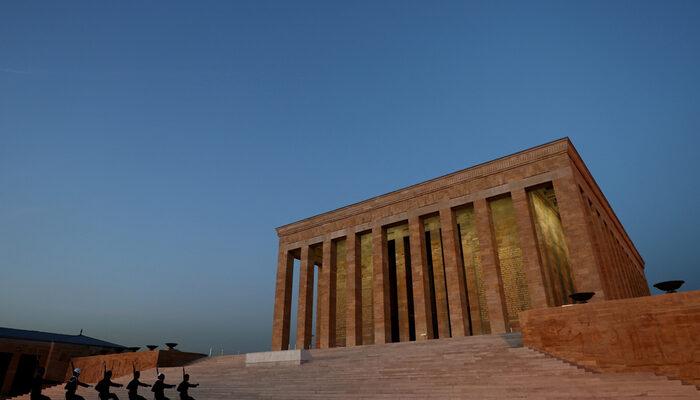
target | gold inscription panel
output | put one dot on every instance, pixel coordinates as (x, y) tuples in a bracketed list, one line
[(510, 258), (472, 270), (552, 246)]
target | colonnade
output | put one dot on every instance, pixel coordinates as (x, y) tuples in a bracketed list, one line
[(460, 269)]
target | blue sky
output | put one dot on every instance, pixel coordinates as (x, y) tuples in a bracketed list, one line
[(148, 149)]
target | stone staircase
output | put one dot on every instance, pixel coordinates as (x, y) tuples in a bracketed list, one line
[(477, 367)]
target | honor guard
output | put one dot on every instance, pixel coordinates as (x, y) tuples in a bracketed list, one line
[(72, 386), (133, 387), (37, 385), (103, 386), (185, 385), (159, 387)]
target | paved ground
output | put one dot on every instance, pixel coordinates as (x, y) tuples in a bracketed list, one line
[(478, 367)]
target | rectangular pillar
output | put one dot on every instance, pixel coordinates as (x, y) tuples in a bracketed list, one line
[(421, 285), (402, 290), (10, 375), (532, 264), (579, 240), (306, 300), (439, 284), (326, 297), (489, 264), (601, 247), (474, 303), (50, 355), (454, 275), (283, 300), (382, 317), (353, 324)]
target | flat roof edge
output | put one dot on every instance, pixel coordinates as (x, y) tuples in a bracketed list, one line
[(281, 229)]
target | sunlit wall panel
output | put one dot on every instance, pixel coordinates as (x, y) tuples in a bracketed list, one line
[(340, 291), (367, 299), (552, 245), (510, 258), (473, 273)]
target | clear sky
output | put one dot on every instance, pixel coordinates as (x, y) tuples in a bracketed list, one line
[(148, 149)]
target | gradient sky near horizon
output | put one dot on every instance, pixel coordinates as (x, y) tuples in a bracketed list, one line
[(148, 149)]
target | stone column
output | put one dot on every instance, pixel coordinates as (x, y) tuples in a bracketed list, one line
[(454, 274), (601, 246), (579, 238), (490, 268), (319, 283), (10, 375), (402, 290), (440, 285), (382, 317), (353, 324), (421, 283), (474, 302), (305, 307), (283, 300), (614, 266), (326, 296), (532, 264), (50, 354)]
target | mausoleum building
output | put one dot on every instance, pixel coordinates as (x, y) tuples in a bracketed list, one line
[(458, 255)]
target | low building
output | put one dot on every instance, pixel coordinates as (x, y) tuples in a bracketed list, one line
[(462, 254), (22, 351)]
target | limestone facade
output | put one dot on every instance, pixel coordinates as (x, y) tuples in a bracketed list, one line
[(458, 255)]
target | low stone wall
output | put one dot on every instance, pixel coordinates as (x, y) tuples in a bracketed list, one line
[(658, 334), (123, 363), (53, 357)]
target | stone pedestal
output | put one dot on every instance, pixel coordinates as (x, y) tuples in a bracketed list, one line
[(285, 357)]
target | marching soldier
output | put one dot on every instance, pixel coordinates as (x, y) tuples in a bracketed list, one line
[(72, 386), (159, 387), (133, 387), (103, 386), (37, 385), (184, 386)]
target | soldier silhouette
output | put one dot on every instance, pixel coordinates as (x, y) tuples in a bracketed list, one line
[(159, 387), (103, 386), (37, 385), (72, 386), (185, 385), (133, 387)]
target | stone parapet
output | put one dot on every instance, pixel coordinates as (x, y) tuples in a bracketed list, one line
[(123, 363), (652, 333)]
